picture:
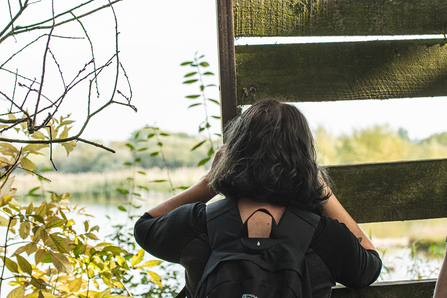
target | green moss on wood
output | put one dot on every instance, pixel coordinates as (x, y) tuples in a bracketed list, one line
[(338, 17), (342, 71), (392, 191)]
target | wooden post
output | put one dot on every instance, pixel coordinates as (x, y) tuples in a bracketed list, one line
[(227, 65)]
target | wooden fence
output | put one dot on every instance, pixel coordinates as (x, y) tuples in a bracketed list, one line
[(333, 71)]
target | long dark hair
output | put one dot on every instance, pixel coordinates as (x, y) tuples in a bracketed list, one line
[(270, 157)]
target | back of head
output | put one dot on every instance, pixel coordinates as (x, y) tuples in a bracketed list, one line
[(270, 157)]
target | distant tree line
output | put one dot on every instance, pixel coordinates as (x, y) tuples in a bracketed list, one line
[(374, 144)]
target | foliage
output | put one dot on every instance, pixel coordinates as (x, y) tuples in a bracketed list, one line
[(52, 256), (44, 252), (376, 144), (197, 76), (123, 231)]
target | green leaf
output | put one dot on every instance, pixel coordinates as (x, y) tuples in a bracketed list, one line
[(213, 100), (204, 64), (190, 81), (40, 256), (122, 208), (164, 134), (208, 73), (143, 187), (130, 146), (55, 223), (138, 159), (114, 250), (104, 294), (182, 187), (127, 164), (151, 135), (216, 117), (186, 63), (60, 262), (25, 229), (92, 236), (190, 74), (11, 265), (198, 145), (155, 153), (141, 173), (158, 181), (192, 96), (203, 161), (24, 264), (60, 243), (142, 149), (194, 105), (122, 191)]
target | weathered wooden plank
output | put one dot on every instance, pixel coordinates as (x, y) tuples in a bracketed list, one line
[(227, 65), (342, 71), (339, 17), (392, 191), (402, 289)]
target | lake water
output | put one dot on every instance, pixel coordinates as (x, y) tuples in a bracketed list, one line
[(392, 240)]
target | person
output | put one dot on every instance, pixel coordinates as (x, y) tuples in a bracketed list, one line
[(268, 162)]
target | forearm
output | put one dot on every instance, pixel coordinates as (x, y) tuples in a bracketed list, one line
[(199, 192), (333, 209)]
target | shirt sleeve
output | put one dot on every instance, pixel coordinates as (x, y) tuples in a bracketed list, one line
[(350, 264), (165, 237)]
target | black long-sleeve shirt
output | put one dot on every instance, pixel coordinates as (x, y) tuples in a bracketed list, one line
[(334, 255)]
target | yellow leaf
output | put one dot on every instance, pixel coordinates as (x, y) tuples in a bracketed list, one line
[(63, 288), (34, 147), (3, 221), (75, 285), (38, 135), (155, 278), (137, 258), (30, 208), (117, 284), (64, 134), (11, 116), (17, 292), (103, 294), (151, 263), (27, 164)]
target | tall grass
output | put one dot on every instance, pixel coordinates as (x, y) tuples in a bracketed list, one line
[(101, 187)]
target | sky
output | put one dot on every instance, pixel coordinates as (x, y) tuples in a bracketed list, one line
[(157, 36)]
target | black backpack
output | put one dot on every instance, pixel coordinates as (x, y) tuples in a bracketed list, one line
[(243, 267)]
